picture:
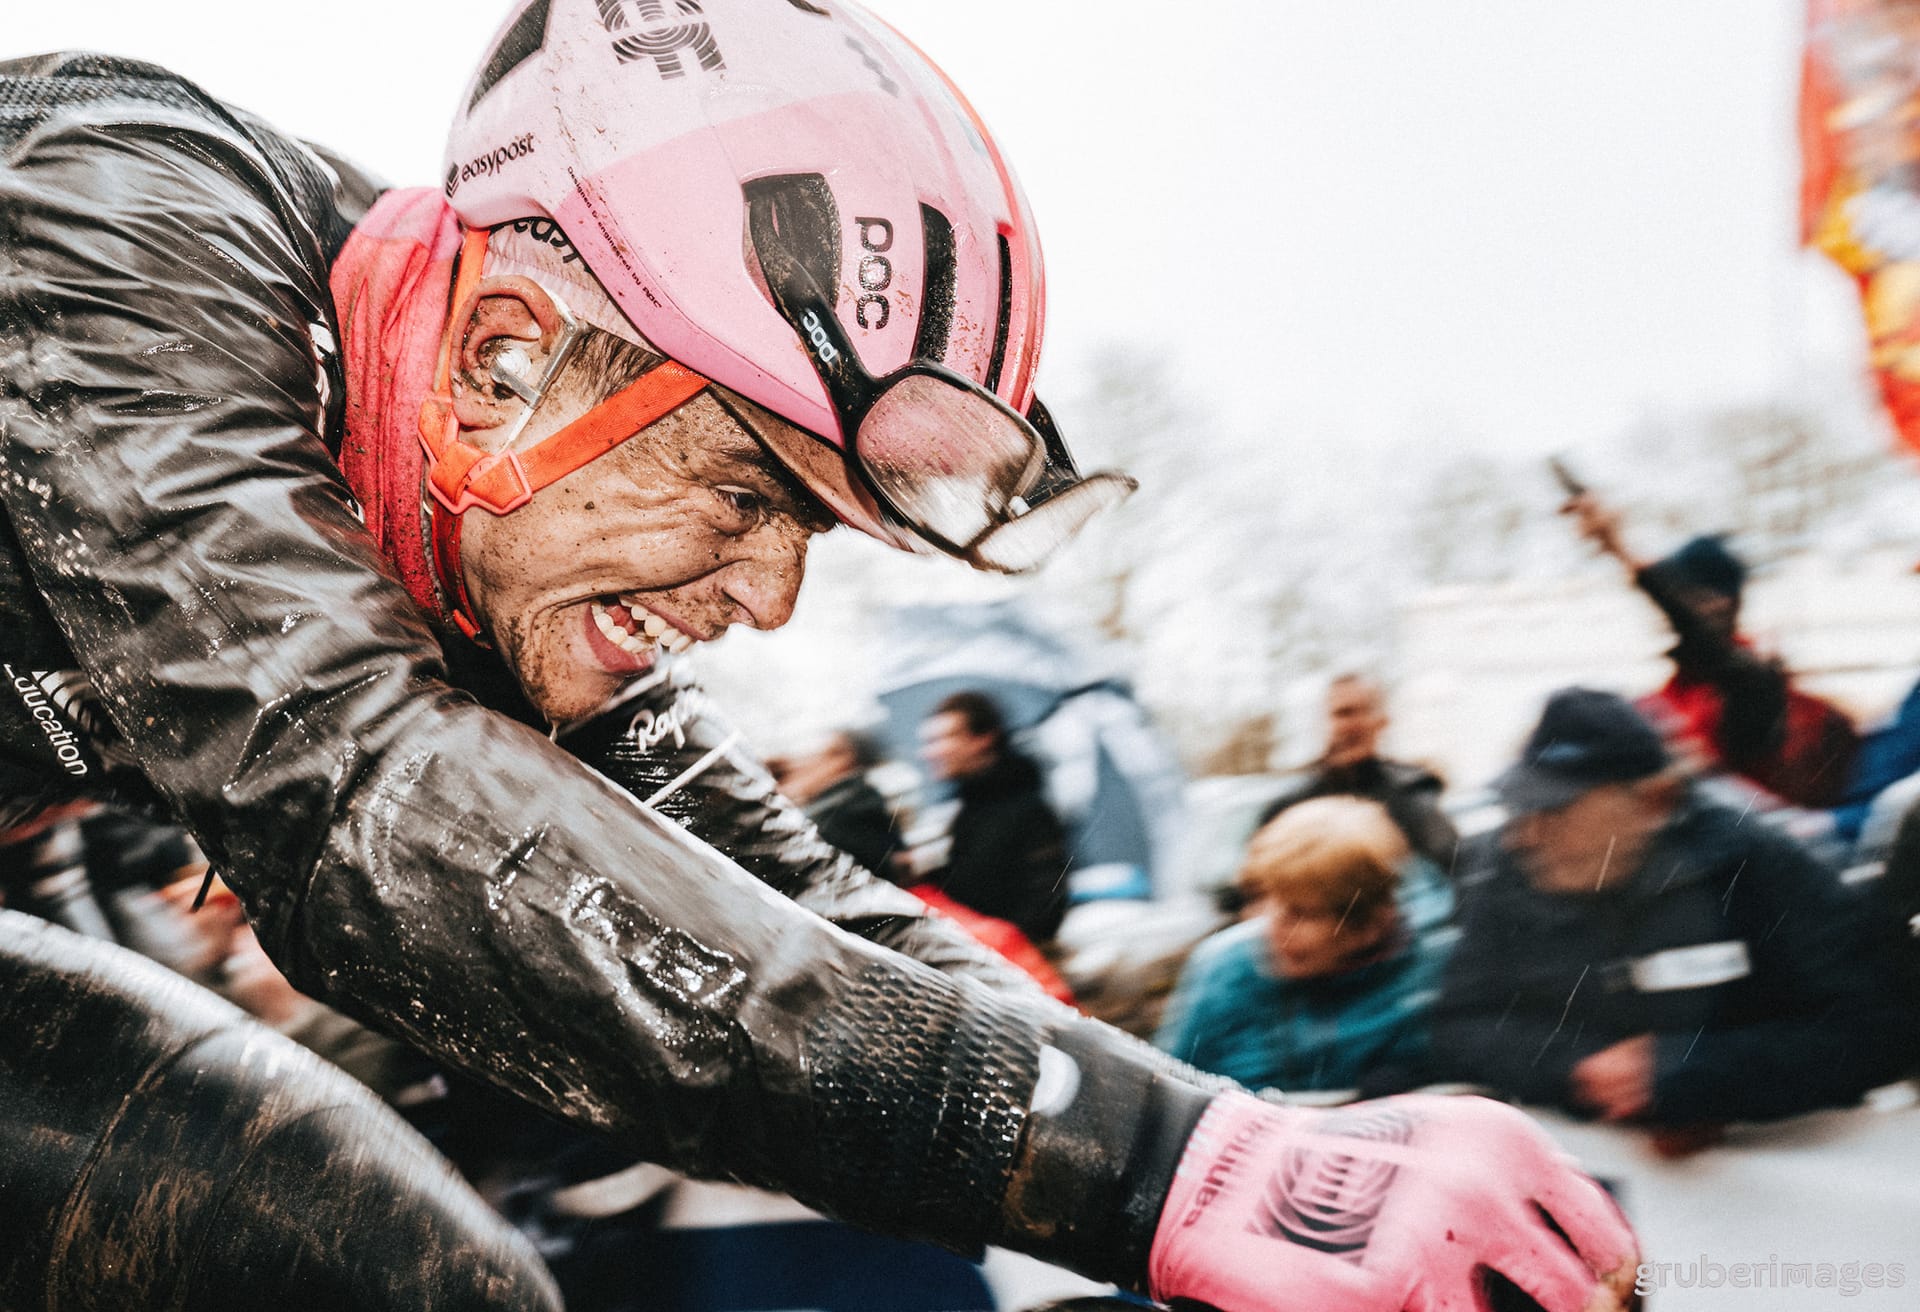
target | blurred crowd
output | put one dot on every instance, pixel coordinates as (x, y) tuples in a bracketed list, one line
[(1631, 941), (1673, 914), (1681, 912)]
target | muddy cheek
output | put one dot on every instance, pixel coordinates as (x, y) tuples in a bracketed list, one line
[(530, 655), (550, 670)]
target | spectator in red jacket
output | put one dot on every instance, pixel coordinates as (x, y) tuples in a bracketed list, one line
[(1733, 703)]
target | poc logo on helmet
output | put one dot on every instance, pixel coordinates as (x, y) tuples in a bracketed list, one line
[(876, 272), (817, 334)]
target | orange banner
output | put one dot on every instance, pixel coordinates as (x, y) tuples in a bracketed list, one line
[(1860, 175)]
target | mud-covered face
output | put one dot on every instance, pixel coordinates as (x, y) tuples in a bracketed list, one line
[(665, 541)]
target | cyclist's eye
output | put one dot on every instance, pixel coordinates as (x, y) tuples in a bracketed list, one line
[(747, 507)]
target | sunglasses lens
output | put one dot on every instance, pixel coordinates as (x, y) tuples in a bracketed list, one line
[(1025, 541), (949, 460)]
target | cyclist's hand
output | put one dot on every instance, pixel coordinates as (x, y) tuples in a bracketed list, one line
[(1403, 1203)]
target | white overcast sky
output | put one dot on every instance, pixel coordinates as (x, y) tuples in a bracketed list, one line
[(1517, 223)]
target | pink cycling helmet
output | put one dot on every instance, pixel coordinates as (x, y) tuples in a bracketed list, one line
[(788, 199)]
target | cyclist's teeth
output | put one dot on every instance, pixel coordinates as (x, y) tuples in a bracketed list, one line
[(649, 630), (619, 637)]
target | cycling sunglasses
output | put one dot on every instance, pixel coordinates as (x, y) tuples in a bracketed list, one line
[(943, 455)]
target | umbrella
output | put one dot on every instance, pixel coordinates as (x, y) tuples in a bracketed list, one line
[(1110, 776)]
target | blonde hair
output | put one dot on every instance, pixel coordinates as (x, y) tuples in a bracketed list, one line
[(1338, 853)]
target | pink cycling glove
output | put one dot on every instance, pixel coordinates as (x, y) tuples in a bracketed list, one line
[(1382, 1206)]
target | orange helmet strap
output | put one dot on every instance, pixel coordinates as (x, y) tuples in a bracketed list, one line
[(460, 476)]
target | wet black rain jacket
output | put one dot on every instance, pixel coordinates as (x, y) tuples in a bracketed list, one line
[(192, 607)]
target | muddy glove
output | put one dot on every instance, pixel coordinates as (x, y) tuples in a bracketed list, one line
[(1401, 1203)]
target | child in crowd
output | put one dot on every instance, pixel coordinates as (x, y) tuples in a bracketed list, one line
[(1324, 986)]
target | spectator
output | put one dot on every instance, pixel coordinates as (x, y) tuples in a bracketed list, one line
[(1008, 855), (1634, 952), (1352, 765), (831, 786), (1736, 706), (1328, 987)]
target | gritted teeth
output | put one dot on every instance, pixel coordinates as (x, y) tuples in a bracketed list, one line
[(614, 633), (637, 629), (658, 627)]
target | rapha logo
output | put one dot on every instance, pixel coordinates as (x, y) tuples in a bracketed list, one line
[(642, 29), (649, 727)]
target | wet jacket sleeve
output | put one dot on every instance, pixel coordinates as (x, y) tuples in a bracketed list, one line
[(1833, 1027), (433, 868), (667, 745)]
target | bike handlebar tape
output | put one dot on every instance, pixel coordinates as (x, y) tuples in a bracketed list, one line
[(161, 1150)]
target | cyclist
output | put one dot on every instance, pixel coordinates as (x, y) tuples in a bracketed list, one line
[(339, 503)]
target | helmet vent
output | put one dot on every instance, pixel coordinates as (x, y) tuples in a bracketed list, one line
[(522, 40), (936, 300), (801, 206), (1004, 322)]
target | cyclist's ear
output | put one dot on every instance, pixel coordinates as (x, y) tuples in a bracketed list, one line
[(508, 338)]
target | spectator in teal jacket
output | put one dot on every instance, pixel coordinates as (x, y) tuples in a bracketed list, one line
[(1326, 986)]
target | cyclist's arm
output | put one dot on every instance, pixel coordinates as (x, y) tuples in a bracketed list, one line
[(667, 745), (431, 867)]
